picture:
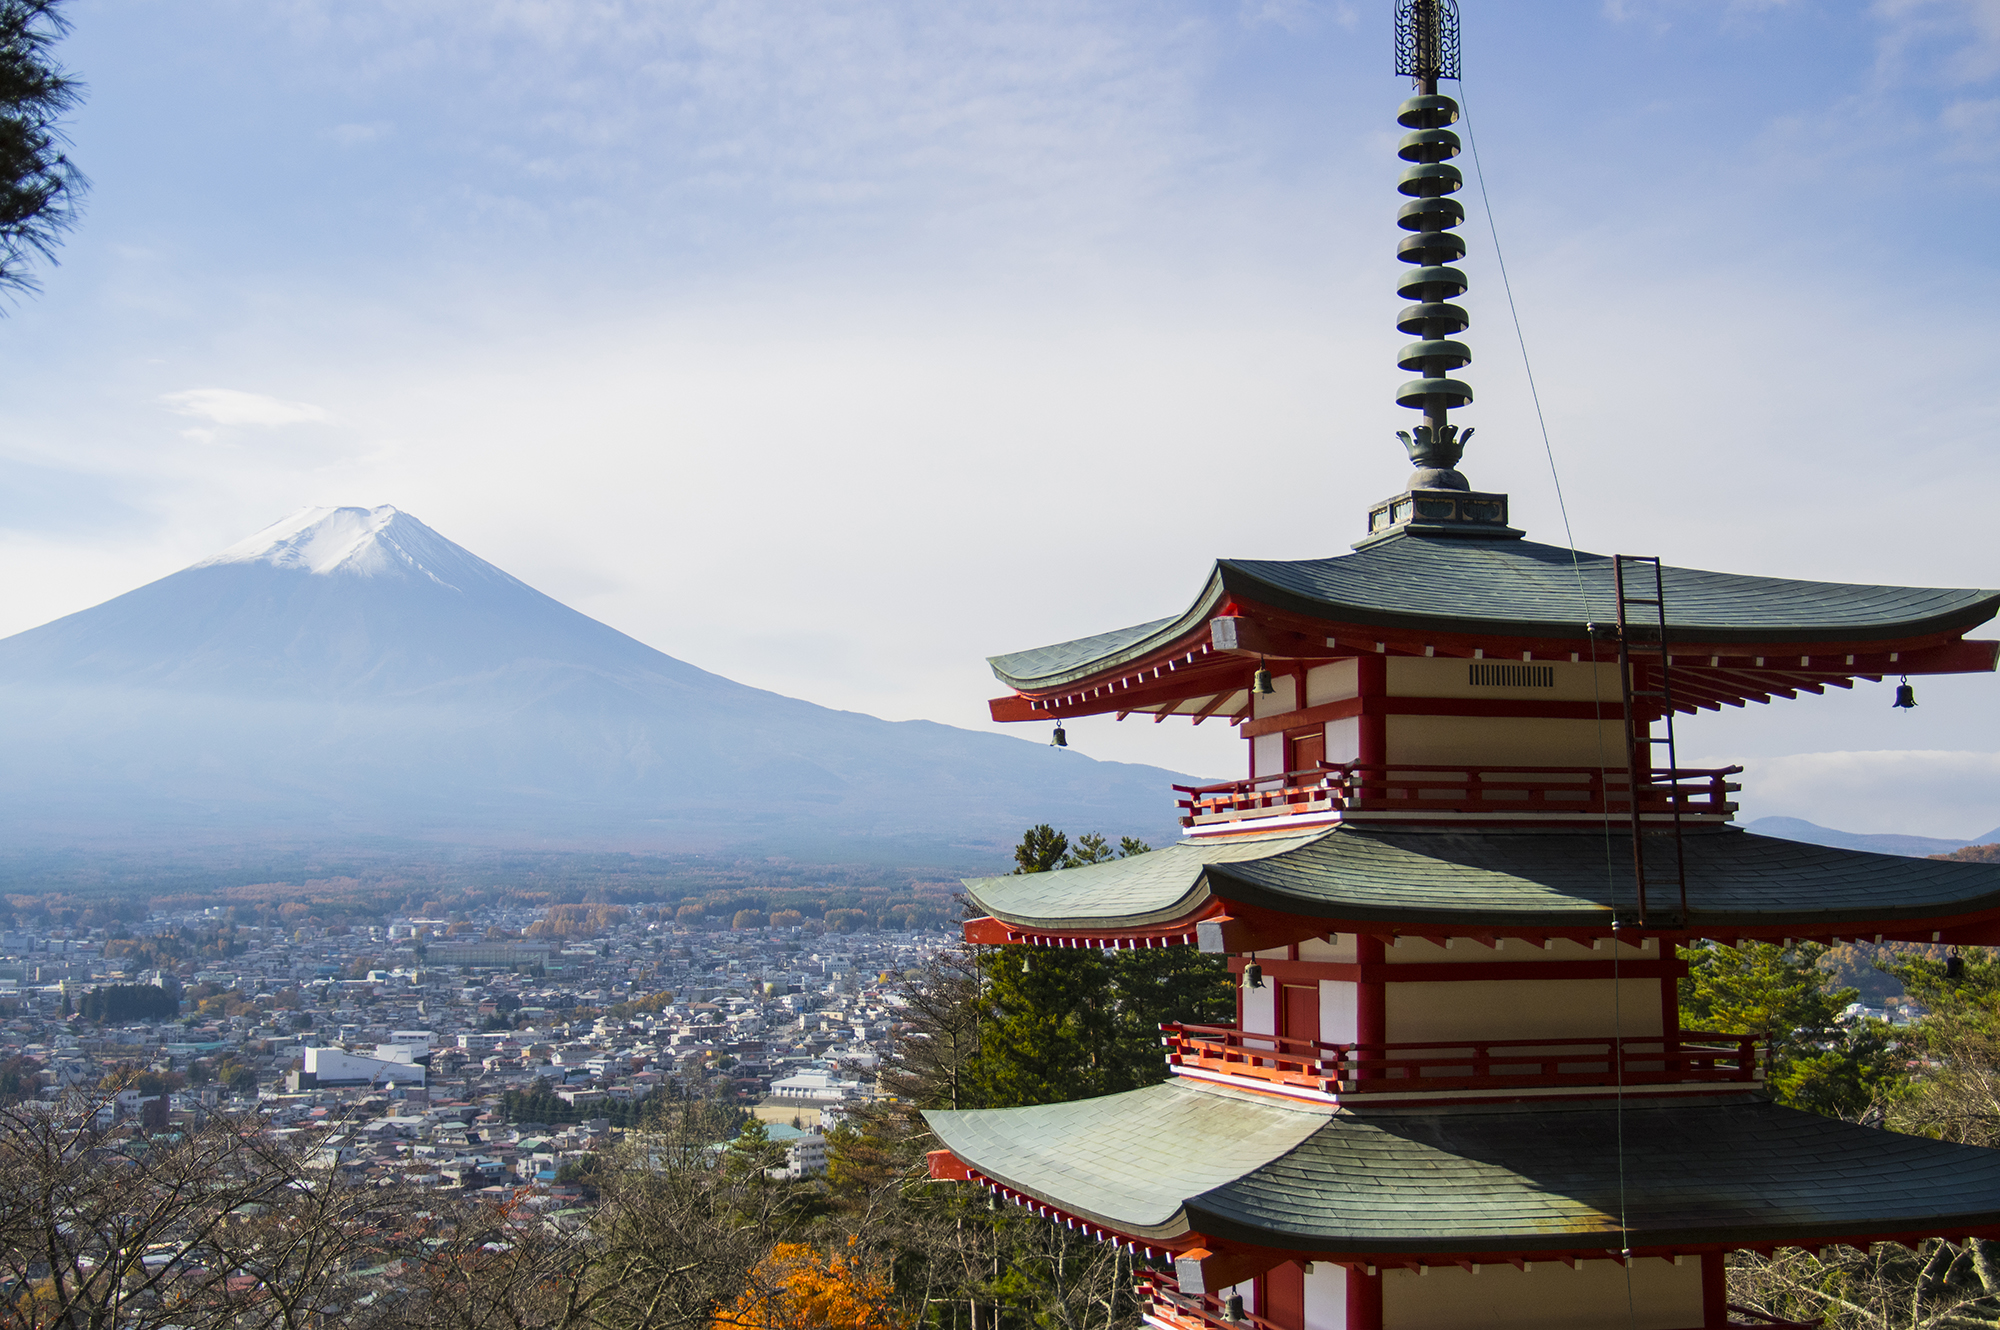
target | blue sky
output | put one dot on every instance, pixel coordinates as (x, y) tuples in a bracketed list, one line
[(836, 346)]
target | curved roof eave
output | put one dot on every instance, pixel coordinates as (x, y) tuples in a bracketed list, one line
[(1528, 590), (1062, 663), (1179, 1157), (1492, 879), (1161, 886), (1239, 581)]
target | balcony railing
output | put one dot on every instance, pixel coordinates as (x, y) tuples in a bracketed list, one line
[(1163, 1304), (1406, 792), (1689, 1057)]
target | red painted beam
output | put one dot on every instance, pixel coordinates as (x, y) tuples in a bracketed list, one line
[(1734, 679), (1449, 972), (1432, 706), (1235, 927), (947, 1167)]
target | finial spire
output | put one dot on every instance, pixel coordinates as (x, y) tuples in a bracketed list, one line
[(1427, 51), (1427, 42), (1436, 500)]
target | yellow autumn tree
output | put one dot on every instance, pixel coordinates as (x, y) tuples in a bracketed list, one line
[(797, 1288)]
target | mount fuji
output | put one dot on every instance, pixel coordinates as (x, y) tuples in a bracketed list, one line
[(349, 673)]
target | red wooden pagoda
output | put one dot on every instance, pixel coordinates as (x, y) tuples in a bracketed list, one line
[(1452, 885)]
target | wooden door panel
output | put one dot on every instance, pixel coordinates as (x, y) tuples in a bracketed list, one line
[(1283, 1300), (1300, 1012)]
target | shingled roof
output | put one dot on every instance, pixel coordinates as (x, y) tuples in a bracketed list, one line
[(1162, 1162), (1494, 879), (1515, 588)]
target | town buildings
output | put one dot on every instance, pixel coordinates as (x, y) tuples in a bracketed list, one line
[(399, 1054)]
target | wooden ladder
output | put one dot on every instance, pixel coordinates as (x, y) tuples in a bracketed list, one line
[(1642, 645)]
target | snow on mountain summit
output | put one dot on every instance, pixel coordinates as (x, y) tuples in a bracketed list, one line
[(350, 671), (361, 542)]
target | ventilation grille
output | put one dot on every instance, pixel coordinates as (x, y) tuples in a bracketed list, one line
[(1488, 675)]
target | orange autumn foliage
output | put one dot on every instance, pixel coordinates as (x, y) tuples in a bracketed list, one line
[(796, 1288)]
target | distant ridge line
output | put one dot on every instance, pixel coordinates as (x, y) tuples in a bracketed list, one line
[(1811, 833)]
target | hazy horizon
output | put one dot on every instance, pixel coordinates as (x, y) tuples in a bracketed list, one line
[(757, 330)]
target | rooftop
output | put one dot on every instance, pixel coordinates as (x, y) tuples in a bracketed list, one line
[(1357, 879), (1175, 1159)]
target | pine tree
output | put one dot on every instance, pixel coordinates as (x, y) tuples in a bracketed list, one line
[(1075, 1023), (1817, 1062), (39, 185)]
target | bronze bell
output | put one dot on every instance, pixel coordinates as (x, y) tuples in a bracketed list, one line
[(1906, 696), (1253, 975), (1061, 740), (1954, 966), (1263, 684)]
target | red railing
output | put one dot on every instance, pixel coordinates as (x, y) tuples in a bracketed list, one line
[(1691, 1056), (1164, 1302), (1357, 789), (1195, 1311)]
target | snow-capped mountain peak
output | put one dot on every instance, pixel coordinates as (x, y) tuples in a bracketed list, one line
[(360, 542)]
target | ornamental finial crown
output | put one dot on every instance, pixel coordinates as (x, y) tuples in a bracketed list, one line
[(1434, 451)]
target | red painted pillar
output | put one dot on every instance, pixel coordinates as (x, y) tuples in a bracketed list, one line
[(1371, 1017), (1364, 1299), (1371, 683), (1714, 1292)]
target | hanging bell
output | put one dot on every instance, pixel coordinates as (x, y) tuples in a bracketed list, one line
[(1954, 966), (1232, 1310), (1906, 696), (1263, 683), (1253, 975), (1060, 740)]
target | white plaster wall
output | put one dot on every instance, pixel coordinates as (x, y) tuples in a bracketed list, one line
[(1326, 1296), (1339, 1012), (1343, 739), (1414, 676), (1284, 697), (1339, 950), (1330, 683), (1471, 951), (1593, 1296), (1521, 1009), (1267, 755), (1260, 1014), (1515, 741)]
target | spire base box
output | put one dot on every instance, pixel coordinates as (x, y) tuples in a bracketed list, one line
[(1439, 511)]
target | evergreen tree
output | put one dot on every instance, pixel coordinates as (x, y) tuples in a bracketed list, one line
[(1817, 1062), (1050, 1026), (1042, 848), (753, 1154), (1062, 1024), (39, 186), (1955, 1095)]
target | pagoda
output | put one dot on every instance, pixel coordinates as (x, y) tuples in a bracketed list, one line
[(1452, 885)]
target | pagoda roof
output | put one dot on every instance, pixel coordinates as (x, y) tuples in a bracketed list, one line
[(1517, 590), (1177, 1159), (1370, 880)]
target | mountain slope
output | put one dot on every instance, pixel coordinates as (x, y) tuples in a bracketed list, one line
[(351, 672), (1915, 847)]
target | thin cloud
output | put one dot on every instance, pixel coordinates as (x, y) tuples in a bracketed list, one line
[(353, 136), (1921, 792), (227, 406)]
